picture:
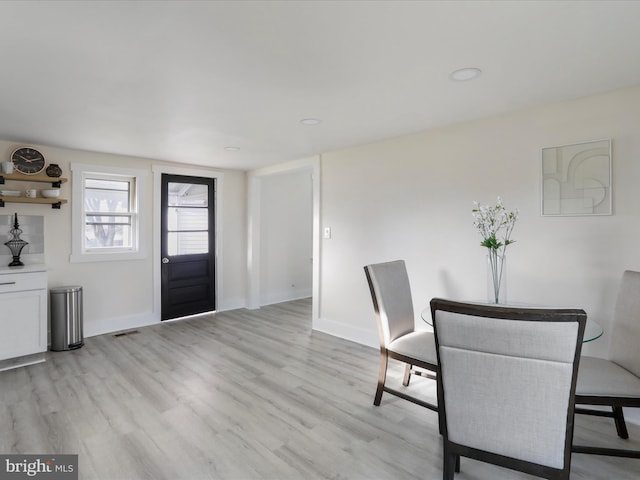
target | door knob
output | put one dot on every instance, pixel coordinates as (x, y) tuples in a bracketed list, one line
[(165, 260)]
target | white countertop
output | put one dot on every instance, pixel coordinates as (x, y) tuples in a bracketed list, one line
[(24, 269)]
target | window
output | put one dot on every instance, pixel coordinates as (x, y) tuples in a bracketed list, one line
[(106, 213), (109, 213), (187, 219)]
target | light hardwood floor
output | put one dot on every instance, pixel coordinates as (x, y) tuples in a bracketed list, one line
[(241, 395)]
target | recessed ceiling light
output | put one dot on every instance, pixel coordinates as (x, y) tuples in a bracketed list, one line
[(311, 121), (464, 74), (232, 149)]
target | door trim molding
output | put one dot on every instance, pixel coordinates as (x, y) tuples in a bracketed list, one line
[(158, 170), (255, 177)]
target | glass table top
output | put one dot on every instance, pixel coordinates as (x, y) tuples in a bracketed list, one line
[(592, 330)]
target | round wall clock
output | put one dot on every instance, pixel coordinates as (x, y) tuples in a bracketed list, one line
[(28, 160)]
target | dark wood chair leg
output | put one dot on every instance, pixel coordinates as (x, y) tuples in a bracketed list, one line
[(382, 376), (621, 426), (407, 375), (451, 465)]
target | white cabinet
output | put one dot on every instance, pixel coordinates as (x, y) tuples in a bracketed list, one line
[(23, 316)]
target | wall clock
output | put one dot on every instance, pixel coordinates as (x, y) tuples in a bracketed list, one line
[(28, 160)]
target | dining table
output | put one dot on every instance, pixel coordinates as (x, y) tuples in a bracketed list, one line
[(592, 330)]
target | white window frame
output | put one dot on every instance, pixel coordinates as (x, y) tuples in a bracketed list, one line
[(80, 172)]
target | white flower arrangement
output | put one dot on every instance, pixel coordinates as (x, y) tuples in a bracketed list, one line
[(491, 221)]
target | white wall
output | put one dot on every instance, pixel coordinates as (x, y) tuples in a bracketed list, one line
[(120, 294), (411, 198), (286, 237)]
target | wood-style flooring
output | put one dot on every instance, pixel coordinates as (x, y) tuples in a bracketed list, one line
[(241, 395)]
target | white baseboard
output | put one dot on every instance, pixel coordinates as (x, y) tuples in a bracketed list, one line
[(118, 324), (288, 296), (348, 332), (231, 305), (111, 325)]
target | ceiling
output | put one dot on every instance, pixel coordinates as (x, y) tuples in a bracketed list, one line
[(182, 81)]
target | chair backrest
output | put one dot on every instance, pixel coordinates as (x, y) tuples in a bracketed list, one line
[(508, 378), (392, 302), (625, 332)]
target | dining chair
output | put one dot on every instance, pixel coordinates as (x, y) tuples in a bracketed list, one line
[(507, 377), (399, 340), (614, 382)]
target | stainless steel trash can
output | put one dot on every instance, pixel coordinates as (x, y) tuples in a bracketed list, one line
[(66, 318)]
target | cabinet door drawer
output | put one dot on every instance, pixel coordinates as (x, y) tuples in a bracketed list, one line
[(15, 282), (23, 323)]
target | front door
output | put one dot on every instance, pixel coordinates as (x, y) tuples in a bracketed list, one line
[(187, 246)]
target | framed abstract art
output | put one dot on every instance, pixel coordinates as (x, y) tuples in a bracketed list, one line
[(576, 179)]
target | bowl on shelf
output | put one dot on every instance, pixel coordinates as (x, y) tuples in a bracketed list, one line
[(9, 193), (50, 193)]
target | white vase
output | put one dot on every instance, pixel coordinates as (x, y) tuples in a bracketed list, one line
[(496, 277)]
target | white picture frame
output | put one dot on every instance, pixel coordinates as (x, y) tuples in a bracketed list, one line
[(576, 179)]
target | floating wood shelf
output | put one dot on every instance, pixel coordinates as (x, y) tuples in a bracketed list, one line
[(20, 177), (55, 182), (54, 202)]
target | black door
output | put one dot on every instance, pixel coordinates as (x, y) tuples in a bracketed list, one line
[(187, 246)]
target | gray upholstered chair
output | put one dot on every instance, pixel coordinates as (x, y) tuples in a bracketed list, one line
[(615, 382), (393, 307), (507, 377)]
